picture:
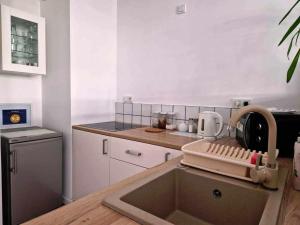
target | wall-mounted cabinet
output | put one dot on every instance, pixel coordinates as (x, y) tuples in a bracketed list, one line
[(23, 44)]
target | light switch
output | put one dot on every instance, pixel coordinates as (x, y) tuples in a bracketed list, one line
[(181, 9)]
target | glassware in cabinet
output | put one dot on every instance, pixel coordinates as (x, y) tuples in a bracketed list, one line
[(24, 40)]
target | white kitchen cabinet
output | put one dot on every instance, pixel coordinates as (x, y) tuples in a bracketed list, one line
[(99, 160), (90, 163), (23, 44), (120, 170)]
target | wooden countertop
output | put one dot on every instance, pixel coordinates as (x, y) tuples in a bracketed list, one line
[(164, 139), (89, 210)]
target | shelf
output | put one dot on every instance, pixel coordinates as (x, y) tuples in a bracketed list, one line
[(18, 36), (29, 53), (26, 64)]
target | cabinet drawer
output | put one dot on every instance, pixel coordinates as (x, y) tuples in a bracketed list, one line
[(120, 170), (141, 154)]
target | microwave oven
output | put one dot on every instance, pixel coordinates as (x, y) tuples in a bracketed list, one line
[(252, 132)]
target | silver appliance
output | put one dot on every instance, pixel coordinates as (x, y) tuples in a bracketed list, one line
[(31, 173)]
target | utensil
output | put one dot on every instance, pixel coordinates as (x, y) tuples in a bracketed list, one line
[(208, 123)]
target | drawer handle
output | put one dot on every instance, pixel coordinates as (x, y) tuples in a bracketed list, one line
[(167, 156), (104, 151), (134, 153)]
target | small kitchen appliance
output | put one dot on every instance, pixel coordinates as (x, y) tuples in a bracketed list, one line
[(31, 161), (252, 132), (208, 124)]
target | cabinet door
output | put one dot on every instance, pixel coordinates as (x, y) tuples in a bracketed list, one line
[(120, 170), (23, 42), (90, 163), (36, 176)]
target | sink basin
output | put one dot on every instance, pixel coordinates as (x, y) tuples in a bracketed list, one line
[(186, 196)]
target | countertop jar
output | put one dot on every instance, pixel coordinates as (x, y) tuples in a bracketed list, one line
[(162, 121), (155, 119), (171, 121), (192, 125)]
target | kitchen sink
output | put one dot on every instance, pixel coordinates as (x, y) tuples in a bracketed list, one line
[(186, 196)]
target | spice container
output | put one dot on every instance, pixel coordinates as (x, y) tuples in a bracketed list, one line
[(155, 119), (171, 121), (162, 121), (192, 125)]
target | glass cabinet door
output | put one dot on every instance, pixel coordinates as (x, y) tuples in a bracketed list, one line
[(24, 42)]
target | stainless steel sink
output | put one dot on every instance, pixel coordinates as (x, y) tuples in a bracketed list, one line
[(186, 196)]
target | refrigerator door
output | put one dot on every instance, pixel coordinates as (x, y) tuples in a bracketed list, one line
[(36, 178)]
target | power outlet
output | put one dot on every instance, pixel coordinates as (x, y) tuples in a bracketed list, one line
[(240, 102)]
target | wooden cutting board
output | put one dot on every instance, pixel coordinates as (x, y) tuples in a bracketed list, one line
[(153, 130)]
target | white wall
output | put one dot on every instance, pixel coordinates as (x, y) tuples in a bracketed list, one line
[(80, 86), (23, 89), (93, 60), (217, 50), (56, 85)]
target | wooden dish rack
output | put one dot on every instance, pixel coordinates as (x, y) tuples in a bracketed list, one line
[(222, 159)]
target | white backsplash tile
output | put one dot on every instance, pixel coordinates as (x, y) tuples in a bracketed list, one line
[(119, 118), (192, 112), (156, 108), (136, 119), (146, 121), (127, 118), (146, 110), (180, 112), (137, 109), (128, 109), (224, 112), (167, 108), (119, 107), (180, 121), (205, 108)]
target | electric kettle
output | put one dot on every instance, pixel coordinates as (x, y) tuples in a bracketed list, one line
[(208, 124)]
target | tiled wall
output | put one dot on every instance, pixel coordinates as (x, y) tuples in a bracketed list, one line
[(138, 113)]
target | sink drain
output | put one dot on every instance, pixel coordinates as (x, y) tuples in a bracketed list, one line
[(217, 193)]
